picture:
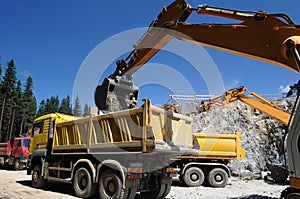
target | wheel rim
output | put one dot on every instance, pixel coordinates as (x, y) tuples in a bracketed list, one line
[(82, 180), (110, 186), (194, 177), (219, 178), (17, 164), (35, 176)]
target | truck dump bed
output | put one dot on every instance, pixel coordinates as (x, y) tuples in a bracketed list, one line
[(219, 146), (146, 129), (5, 148), (223, 146)]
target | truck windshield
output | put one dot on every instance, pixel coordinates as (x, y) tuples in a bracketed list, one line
[(26, 143)]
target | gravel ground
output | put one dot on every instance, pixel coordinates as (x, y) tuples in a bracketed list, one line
[(16, 184)]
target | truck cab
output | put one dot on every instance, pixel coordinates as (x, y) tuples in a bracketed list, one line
[(14, 152), (41, 127)]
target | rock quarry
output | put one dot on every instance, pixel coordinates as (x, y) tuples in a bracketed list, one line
[(262, 136)]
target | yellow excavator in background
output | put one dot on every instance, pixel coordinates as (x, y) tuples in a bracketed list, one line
[(256, 101), (272, 38), (279, 172)]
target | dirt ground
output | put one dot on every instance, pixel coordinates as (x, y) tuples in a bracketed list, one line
[(16, 184)]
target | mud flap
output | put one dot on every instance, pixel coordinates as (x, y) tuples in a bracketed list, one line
[(116, 94)]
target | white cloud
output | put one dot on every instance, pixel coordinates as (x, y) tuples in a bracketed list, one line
[(26, 73), (284, 89)]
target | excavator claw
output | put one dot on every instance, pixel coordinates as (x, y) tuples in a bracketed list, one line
[(116, 94)]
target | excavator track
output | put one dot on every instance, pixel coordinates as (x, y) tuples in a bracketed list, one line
[(290, 193)]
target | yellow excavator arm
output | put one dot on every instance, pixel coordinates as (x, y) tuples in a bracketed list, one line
[(272, 38), (258, 35), (256, 101)]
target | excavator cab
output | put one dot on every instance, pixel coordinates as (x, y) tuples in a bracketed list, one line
[(116, 92)]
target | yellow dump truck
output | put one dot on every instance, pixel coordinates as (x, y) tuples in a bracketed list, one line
[(216, 151), (115, 154)]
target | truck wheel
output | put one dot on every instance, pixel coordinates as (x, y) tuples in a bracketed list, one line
[(110, 185), (217, 177), (36, 178), (167, 191), (161, 190), (130, 193), (279, 173), (17, 164), (83, 183), (193, 177), (154, 194)]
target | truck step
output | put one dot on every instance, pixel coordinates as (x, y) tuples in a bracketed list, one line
[(61, 180), (60, 169)]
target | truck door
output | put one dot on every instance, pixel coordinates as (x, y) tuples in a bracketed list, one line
[(16, 149), (40, 135)]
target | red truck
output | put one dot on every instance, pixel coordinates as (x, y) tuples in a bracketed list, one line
[(14, 152)]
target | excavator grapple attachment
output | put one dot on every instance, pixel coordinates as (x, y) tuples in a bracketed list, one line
[(116, 94)]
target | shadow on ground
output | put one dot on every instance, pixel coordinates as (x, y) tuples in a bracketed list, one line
[(53, 186), (67, 188)]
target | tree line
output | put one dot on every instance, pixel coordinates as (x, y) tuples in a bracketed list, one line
[(53, 104), (18, 105)]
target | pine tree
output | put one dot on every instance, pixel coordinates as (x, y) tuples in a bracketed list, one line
[(52, 105), (86, 110), (29, 103), (0, 67), (77, 109), (65, 106), (41, 110), (18, 110), (7, 101)]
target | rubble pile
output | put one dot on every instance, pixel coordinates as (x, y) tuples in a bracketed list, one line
[(262, 136)]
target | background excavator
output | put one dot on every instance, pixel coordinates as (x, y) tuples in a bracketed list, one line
[(279, 172), (255, 100), (272, 38)]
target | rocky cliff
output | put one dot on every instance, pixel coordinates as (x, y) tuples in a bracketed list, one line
[(262, 136)]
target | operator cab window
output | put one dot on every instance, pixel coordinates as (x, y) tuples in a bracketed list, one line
[(37, 128)]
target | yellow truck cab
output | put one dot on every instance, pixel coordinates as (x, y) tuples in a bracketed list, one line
[(41, 127)]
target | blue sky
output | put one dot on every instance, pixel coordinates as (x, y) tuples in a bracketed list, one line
[(51, 39)]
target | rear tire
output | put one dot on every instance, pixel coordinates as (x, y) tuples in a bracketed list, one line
[(130, 193), (193, 177), (160, 191), (37, 179), (110, 185), (83, 183), (290, 193), (167, 190), (18, 165), (217, 177), (279, 174)]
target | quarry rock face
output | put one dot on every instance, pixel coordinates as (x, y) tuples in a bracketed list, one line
[(262, 136)]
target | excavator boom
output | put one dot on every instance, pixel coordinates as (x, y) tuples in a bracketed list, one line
[(272, 38), (256, 101)]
